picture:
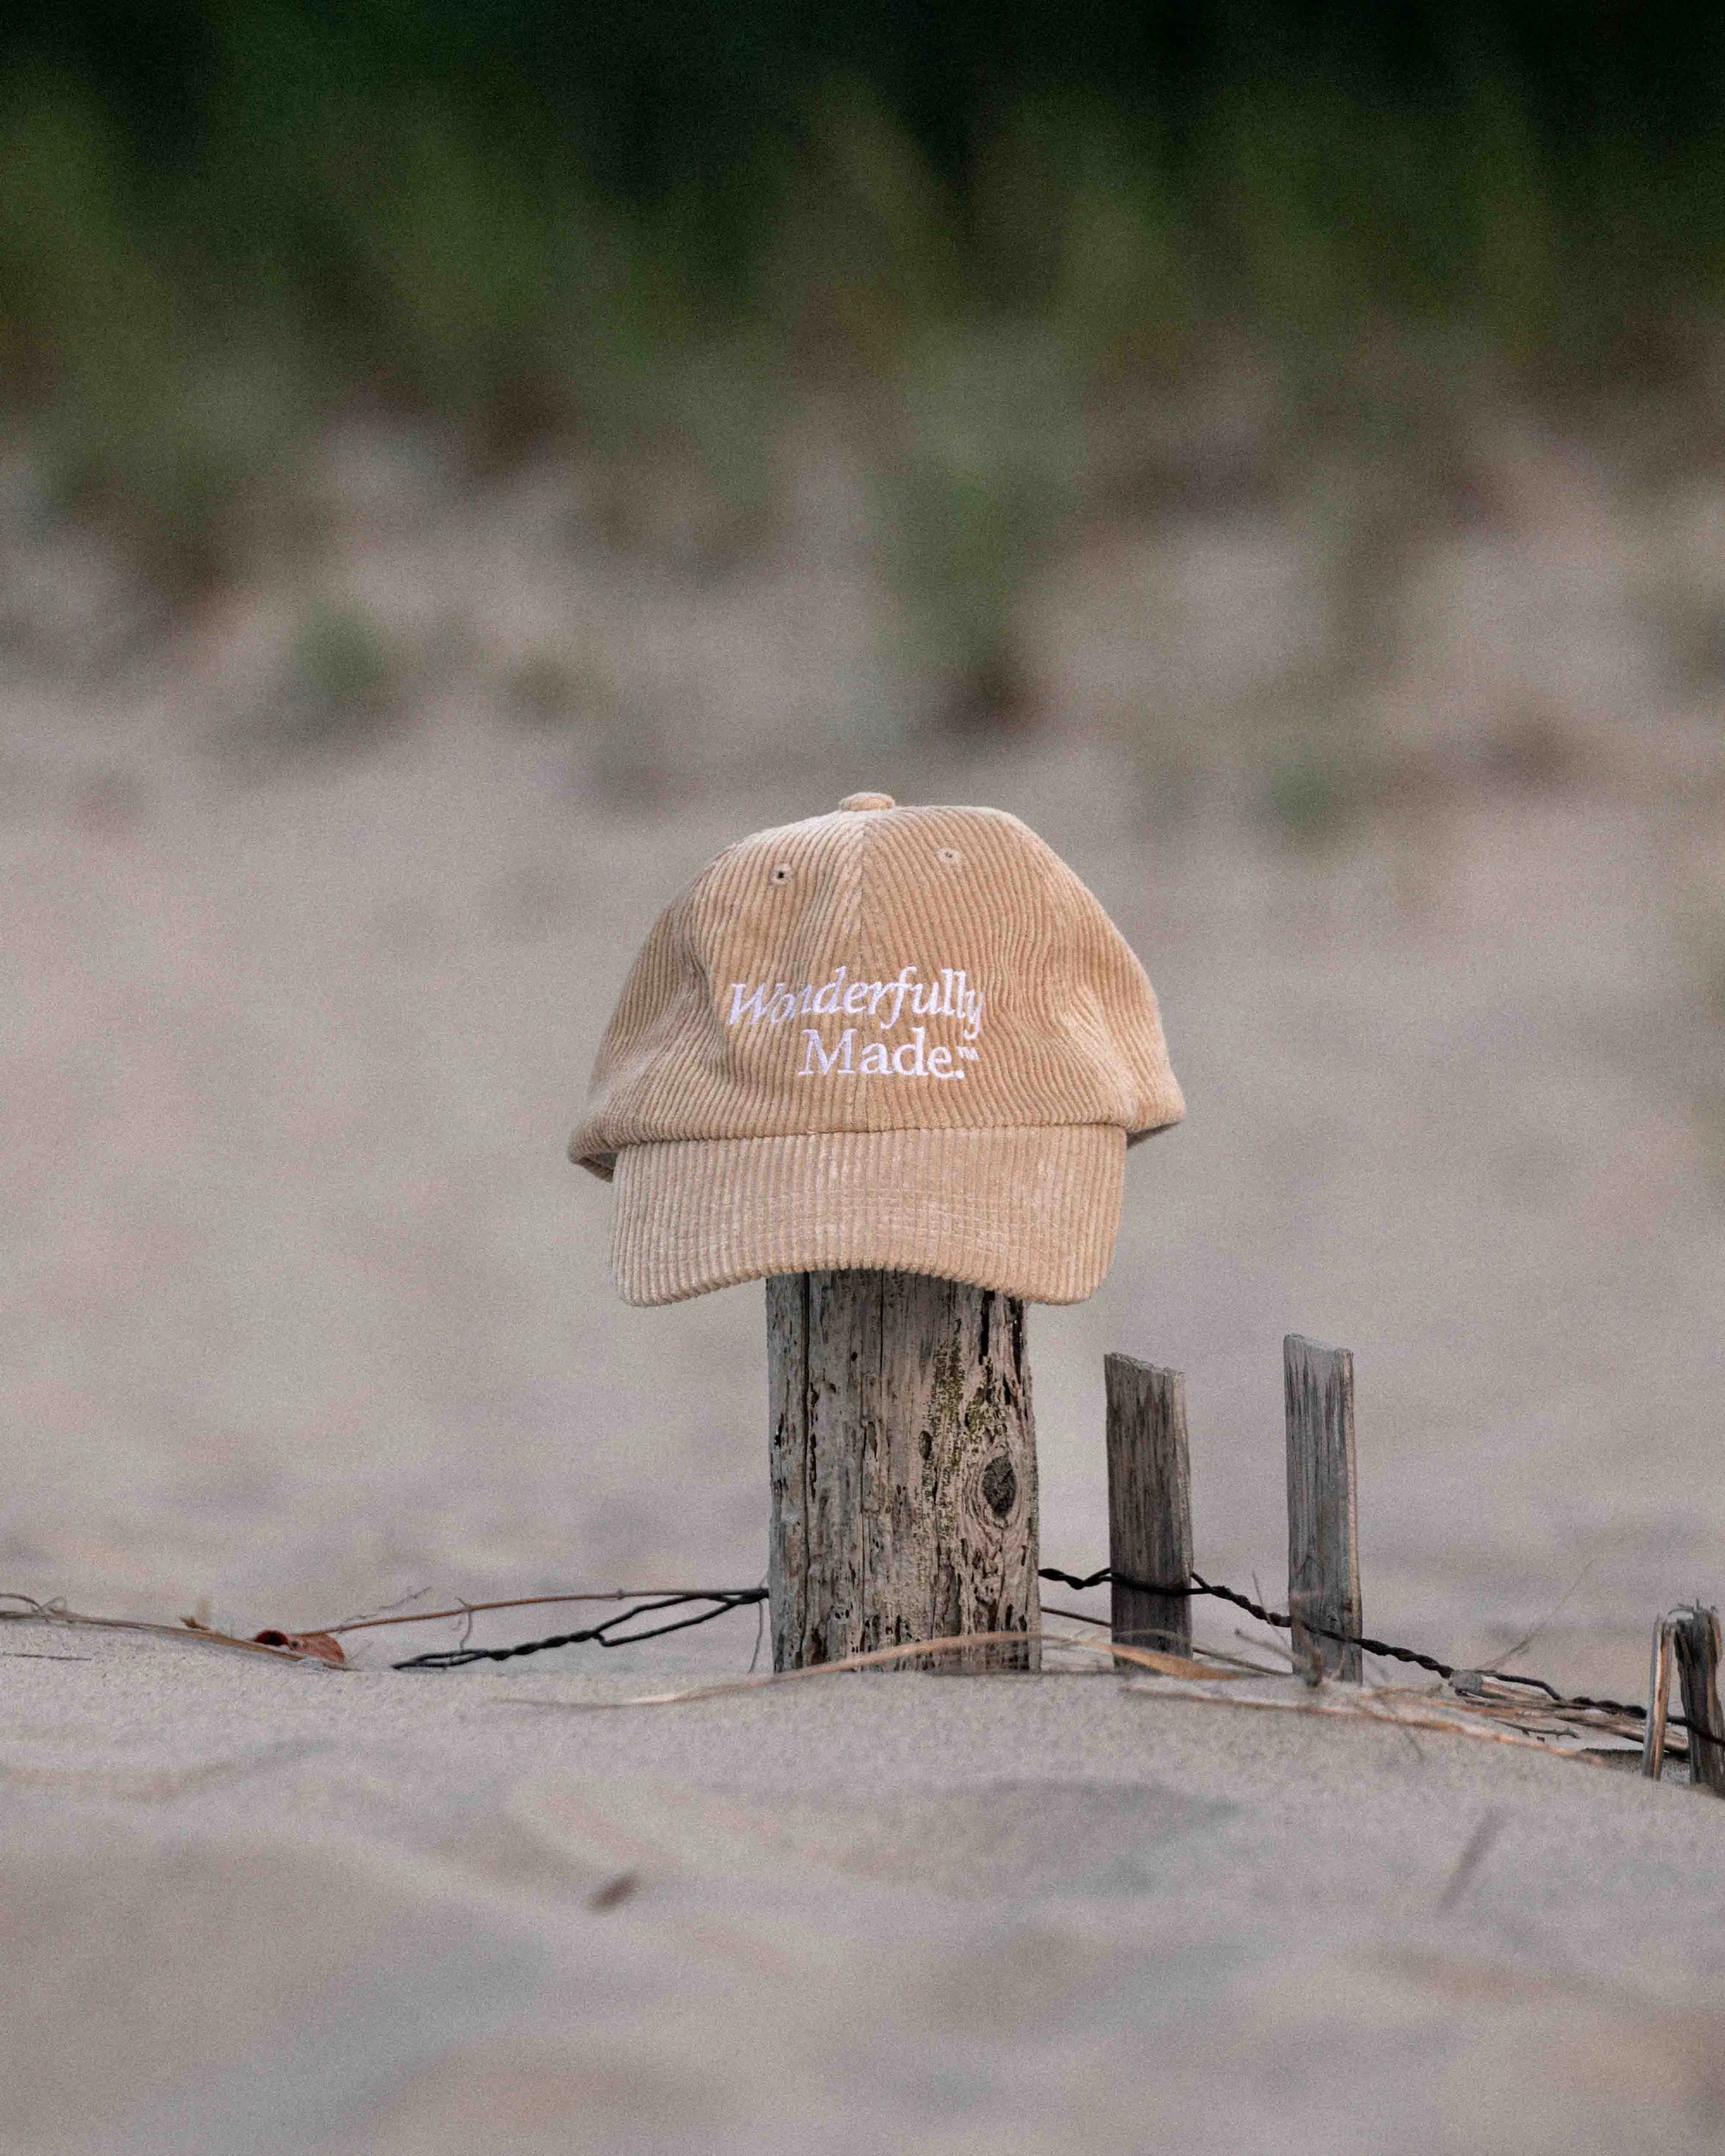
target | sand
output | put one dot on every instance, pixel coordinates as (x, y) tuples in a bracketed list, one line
[(303, 1308), (249, 1907), (301, 1311)]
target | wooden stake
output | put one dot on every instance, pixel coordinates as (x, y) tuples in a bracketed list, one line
[(1149, 1504), (903, 1469), (1659, 1701), (1323, 1522), (1310, 1649), (1695, 1636)]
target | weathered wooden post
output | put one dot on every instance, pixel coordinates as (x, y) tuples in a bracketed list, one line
[(1659, 1701), (903, 1469), (1695, 1637), (1323, 1517), (1149, 1505)]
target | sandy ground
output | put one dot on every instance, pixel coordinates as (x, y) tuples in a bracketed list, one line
[(281, 1909), (301, 1311)]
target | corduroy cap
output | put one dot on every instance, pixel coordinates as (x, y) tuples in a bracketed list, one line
[(901, 1037)]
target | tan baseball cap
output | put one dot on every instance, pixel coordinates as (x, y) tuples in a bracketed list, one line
[(902, 1038)]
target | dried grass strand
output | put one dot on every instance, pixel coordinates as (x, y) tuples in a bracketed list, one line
[(876, 1658), (49, 1613), (1172, 1667), (1220, 1668), (1359, 1710), (527, 1602)]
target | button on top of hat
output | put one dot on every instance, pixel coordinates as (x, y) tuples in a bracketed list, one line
[(868, 801)]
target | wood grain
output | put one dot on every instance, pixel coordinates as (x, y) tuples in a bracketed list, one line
[(903, 1456), (1149, 1503), (1323, 1513), (1659, 1701), (1695, 1638)]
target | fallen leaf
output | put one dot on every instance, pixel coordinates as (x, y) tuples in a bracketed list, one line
[(322, 1646)]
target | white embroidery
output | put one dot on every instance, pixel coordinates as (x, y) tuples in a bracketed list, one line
[(876, 1061), (773, 1003)]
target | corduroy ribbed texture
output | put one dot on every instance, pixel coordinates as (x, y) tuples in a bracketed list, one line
[(879, 974), (1031, 1211)]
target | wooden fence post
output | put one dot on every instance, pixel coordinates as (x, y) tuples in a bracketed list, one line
[(903, 1469), (1149, 1504), (1323, 1518), (1659, 1701), (1695, 1635)]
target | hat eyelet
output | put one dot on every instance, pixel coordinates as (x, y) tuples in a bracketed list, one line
[(780, 875), (951, 855)]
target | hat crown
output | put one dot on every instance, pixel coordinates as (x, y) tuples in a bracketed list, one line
[(878, 970)]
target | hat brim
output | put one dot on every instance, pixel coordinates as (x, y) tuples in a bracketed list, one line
[(1032, 1212)]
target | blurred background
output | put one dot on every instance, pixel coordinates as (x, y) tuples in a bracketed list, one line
[(463, 461)]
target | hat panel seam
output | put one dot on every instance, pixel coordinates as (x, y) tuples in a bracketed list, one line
[(709, 1086)]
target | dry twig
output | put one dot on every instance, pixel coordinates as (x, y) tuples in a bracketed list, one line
[(876, 1658), (56, 1613), (1369, 1707), (1217, 1665)]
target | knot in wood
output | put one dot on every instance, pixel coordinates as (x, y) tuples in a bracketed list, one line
[(1000, 1485), (904, 1467)]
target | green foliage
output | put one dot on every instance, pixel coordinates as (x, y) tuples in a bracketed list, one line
[(156, 431), (991, 462), (341, 661), (1315, 794), (548, 687), (341, 683), (645, 230), (336, 685)]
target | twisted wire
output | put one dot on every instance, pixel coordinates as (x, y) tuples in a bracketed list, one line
[(724, 1600), (1197, 1584)]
